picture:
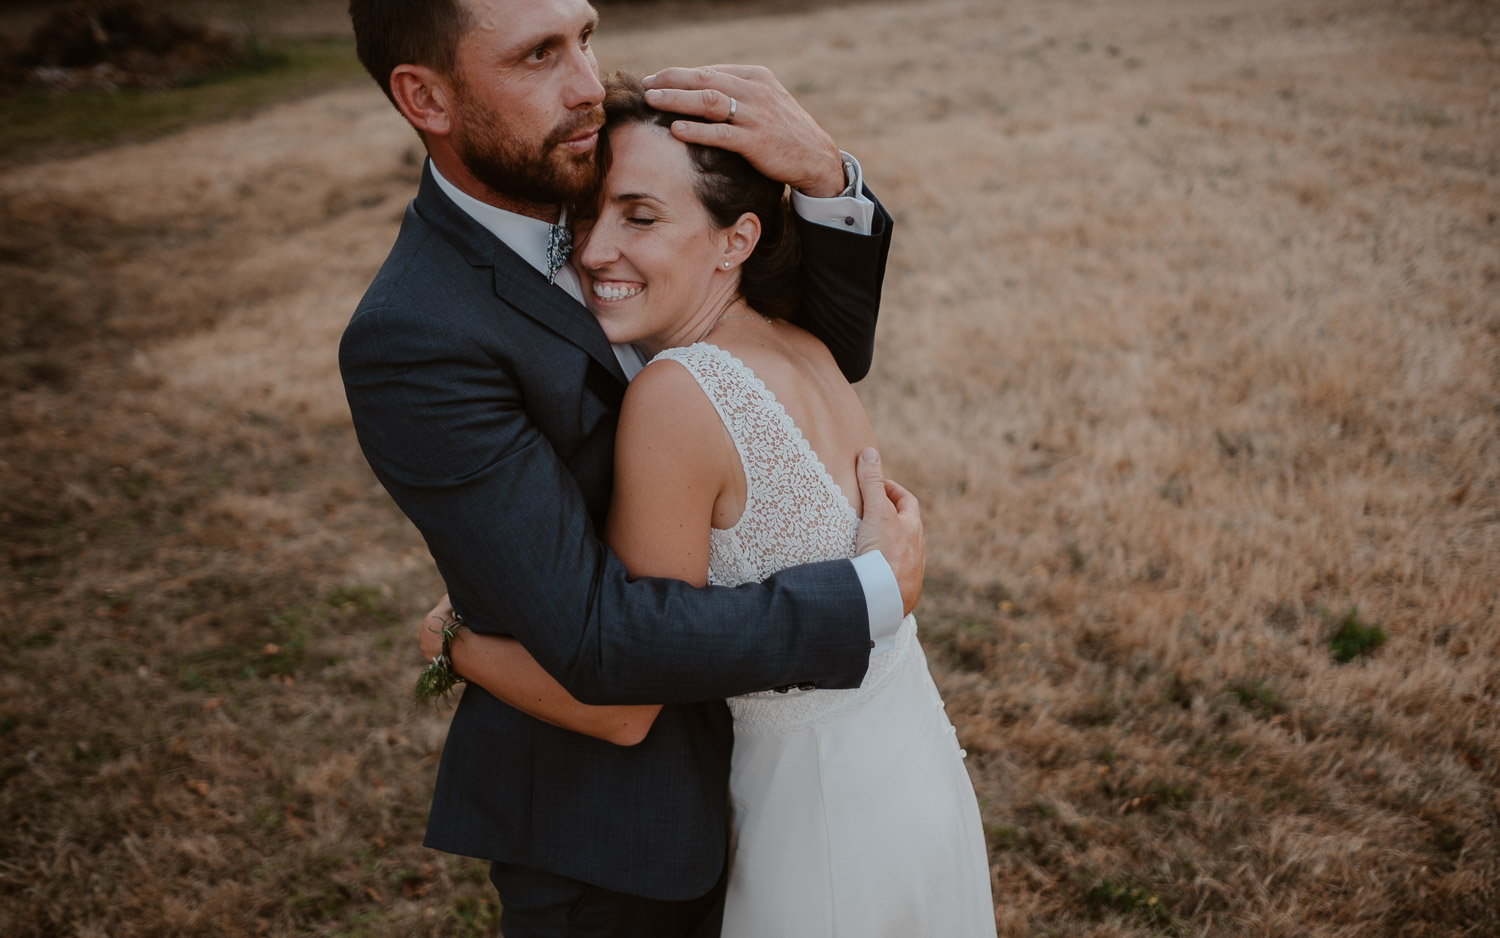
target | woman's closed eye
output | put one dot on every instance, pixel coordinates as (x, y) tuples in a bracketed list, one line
[(641, 221)]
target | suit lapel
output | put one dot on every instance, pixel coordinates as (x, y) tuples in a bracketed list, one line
[(516, 283), (520, 285)]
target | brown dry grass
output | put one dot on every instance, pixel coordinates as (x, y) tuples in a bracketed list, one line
[(1191, 344)]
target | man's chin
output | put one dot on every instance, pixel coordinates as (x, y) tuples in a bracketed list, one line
[(581, 180)]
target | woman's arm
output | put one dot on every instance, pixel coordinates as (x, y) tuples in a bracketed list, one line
[(671, 468), (674, 463), (505, 669)]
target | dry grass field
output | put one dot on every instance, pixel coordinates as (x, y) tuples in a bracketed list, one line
[(1191, 346)]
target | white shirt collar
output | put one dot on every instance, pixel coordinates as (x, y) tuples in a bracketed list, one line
[(525, 235)]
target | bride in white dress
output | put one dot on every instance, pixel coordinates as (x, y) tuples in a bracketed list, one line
[(852, 814)]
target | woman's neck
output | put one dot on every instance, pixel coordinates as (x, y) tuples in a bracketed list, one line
[(723, 300)]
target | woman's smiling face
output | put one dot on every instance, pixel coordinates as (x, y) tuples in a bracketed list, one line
[(652, 262)]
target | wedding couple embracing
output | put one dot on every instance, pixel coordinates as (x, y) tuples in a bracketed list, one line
[(650, 493)]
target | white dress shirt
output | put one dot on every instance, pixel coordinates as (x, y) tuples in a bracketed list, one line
[(853, 211)]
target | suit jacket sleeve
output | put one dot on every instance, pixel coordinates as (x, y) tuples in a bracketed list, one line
[(841, 279), (446, 430)]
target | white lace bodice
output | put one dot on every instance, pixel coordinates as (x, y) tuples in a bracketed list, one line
[(795, 513)]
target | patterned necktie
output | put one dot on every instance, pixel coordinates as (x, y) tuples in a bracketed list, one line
[(559, 249)]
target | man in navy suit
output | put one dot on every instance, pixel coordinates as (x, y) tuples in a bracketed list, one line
[(485, 398)]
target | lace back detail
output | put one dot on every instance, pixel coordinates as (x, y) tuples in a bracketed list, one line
[(795, 512)]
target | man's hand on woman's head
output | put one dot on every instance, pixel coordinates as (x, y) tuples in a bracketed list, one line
[(891, 524), (769, 128)]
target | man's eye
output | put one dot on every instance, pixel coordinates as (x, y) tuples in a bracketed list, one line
[(538, 54), (584, 39)]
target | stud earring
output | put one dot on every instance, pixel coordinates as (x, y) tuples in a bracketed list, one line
[(726, 265)]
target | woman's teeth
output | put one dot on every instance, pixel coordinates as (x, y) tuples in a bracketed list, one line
[(616, 291)]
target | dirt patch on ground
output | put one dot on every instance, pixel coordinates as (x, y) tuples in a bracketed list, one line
[(1190, 345)]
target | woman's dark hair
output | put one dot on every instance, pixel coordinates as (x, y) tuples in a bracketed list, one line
[(728, 186), (388, 33)]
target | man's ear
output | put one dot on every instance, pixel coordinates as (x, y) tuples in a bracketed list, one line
[(424, 98), (741, 239)]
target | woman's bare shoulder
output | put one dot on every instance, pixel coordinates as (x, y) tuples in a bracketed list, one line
[(666, 410), (779, 354), (664, 388)]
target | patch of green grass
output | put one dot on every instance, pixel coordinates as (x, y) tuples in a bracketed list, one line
[(1003, 836), (365, 923), (282, 651), (962, 641), (39, 640), (1254, 695), (134, 486), (1211, 746), (1449, 843), (37, 120), (123, 524), (1431, 117), (1281, 794), (1160, 794), (996, 593), (1128, 899), (1354, 638), (364, 602), (1448, 840), (319, 898), (1076, 557), (1098, 711), (267, 817), (191, 676), (36, 573), (1179, 692), (1173, 796), (475, 916)]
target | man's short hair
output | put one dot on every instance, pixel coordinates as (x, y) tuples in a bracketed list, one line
[(388, 33)]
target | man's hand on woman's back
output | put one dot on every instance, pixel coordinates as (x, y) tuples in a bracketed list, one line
[(892, 524)]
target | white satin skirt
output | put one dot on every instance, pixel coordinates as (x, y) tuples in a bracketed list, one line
[(852, 814)]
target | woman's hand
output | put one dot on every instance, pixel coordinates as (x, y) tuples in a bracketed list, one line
[(430, 632)]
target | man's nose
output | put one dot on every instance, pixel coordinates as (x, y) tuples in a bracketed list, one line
[(584, 88)]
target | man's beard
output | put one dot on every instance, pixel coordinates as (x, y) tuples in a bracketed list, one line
[(543, 174)]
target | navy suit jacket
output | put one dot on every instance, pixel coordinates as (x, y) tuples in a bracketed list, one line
[(485, 401)]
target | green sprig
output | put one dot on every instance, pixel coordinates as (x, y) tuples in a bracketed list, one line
[(437, 679)]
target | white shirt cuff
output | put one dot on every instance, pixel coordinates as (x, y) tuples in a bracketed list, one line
[(882, 599), (855, 213)]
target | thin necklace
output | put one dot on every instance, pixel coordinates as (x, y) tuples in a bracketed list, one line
[(733, 316)]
